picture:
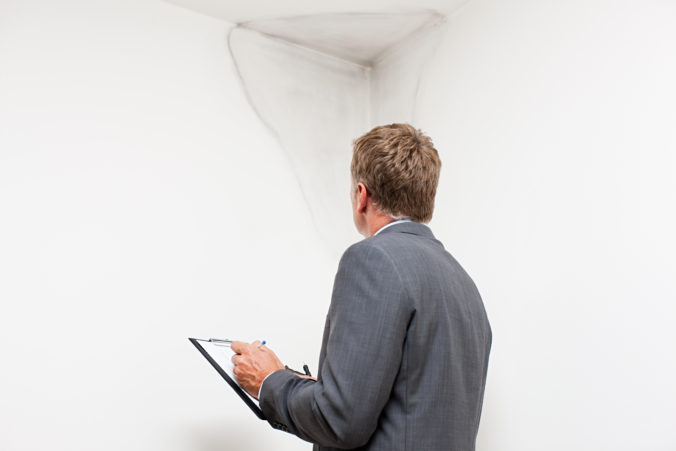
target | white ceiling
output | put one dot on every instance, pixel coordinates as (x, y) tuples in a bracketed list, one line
[(356, 37), (353, 30), (239, 11)]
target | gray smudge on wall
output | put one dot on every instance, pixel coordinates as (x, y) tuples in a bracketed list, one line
[(318, 82)]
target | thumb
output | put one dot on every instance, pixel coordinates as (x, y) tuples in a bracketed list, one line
[(238, 346)]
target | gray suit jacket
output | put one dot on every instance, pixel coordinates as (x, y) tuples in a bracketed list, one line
[(404, 356)]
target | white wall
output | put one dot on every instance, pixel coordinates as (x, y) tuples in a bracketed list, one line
[(555, 123), (397, 73), (141, 201)]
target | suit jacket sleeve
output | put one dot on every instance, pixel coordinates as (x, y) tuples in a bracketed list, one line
[(368, 318)]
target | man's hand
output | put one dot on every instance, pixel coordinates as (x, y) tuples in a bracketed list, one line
[(253, 364)]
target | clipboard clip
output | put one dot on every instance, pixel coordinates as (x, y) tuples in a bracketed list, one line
[(305, 368), (218, 341)]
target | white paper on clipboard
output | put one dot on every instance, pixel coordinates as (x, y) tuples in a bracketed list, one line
[(219, 354)]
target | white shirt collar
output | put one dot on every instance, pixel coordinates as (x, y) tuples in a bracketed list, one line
[(391, 224)]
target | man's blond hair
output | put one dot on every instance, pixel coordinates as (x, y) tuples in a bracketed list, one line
[(400, 168)]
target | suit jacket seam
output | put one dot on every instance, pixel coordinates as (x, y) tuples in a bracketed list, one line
[(396, 269), (406, 289), (406, 398)]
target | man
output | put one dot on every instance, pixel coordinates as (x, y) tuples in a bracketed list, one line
[(405, 350)]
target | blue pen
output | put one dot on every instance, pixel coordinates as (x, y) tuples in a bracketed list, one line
[(262, 344)]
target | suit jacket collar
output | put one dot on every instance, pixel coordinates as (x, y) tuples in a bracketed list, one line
[(414, 228)]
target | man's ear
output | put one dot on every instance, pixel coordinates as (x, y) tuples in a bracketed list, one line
[(362, 197)]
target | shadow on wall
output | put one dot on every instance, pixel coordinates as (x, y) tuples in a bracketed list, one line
[(220, 437)]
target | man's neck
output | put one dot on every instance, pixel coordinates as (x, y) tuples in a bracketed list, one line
[(377, 223)]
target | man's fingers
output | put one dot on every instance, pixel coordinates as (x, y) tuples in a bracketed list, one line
[(256, 343), (239, 346)]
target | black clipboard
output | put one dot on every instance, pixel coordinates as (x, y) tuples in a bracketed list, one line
[(242, 394)]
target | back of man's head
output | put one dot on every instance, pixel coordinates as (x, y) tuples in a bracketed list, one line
[(400, 168)]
